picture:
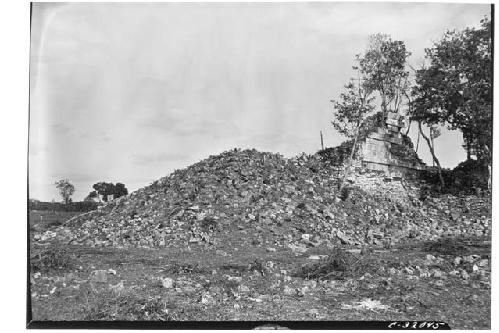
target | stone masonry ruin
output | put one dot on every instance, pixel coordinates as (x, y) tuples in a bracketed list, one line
[(388, 150), (380, 149)]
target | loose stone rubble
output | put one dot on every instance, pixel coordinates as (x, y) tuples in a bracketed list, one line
[(273, 202)]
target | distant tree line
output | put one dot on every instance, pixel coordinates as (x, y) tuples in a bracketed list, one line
[(78, 206), (102, 192)]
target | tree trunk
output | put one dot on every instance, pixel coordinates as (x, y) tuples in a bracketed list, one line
[(353, 149), (488, 162), (467, 142), (434, 158), (432, 144), (418, 141), (384, 108), (349, 164), (408, 129)]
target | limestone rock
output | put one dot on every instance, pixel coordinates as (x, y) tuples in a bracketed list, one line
[(100, 275)]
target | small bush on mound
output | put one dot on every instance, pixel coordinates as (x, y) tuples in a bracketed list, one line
[(51, 259), (447, 246), (336, 156), (344, 194), (469, 177), (209, 224), (339, 264)]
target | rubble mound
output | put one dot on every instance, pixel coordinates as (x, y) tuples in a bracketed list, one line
[(246, 197)]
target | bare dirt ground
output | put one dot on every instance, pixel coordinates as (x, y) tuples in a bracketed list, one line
[(418, 281)]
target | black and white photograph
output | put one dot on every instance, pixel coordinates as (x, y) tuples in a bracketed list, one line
[(261, 165)]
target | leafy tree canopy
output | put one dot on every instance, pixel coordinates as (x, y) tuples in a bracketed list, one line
[(383, 69), (105, 189), (120, 190), (352, 107), (66, 189), (455, 89)]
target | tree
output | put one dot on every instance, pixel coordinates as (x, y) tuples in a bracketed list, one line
[(352, 109), (66, 189), (91, 196), (455, 88), (120, 190), (104, 189), (430, 144), (383, 67)]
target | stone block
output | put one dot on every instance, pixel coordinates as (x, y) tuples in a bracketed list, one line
[(385, 151), (377, 135), (394, 122), (393, 128), (393, 115)]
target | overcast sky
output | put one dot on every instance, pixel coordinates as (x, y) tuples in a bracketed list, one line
[(129, 92)]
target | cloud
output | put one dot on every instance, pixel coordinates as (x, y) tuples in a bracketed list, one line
[(180, 123), (119, 90), (103, 136), (164, 120), (35, 149), (158, 158), (100, 136), (61, 128), (74, 177)]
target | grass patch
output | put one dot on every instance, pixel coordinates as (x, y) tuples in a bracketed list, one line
[(339, 264), (51, 258), (234, 268), (448, 246), (45, 220), (225, 286), (209, 224), (108, 305), (178, 268)]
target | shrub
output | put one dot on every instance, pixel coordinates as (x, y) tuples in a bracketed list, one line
[(338, 264), (345, 193), (337, 156), (467, 178), (470, 175), (51, 259), (209, 224), (178, 268), (107, 305), (447, 246)]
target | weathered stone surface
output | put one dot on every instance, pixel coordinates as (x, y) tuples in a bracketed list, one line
[(389, 151), (100, 275), (272, 202), (167, 283)]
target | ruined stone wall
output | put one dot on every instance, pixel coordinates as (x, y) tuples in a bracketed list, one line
[(389, 151), (403, 191)]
